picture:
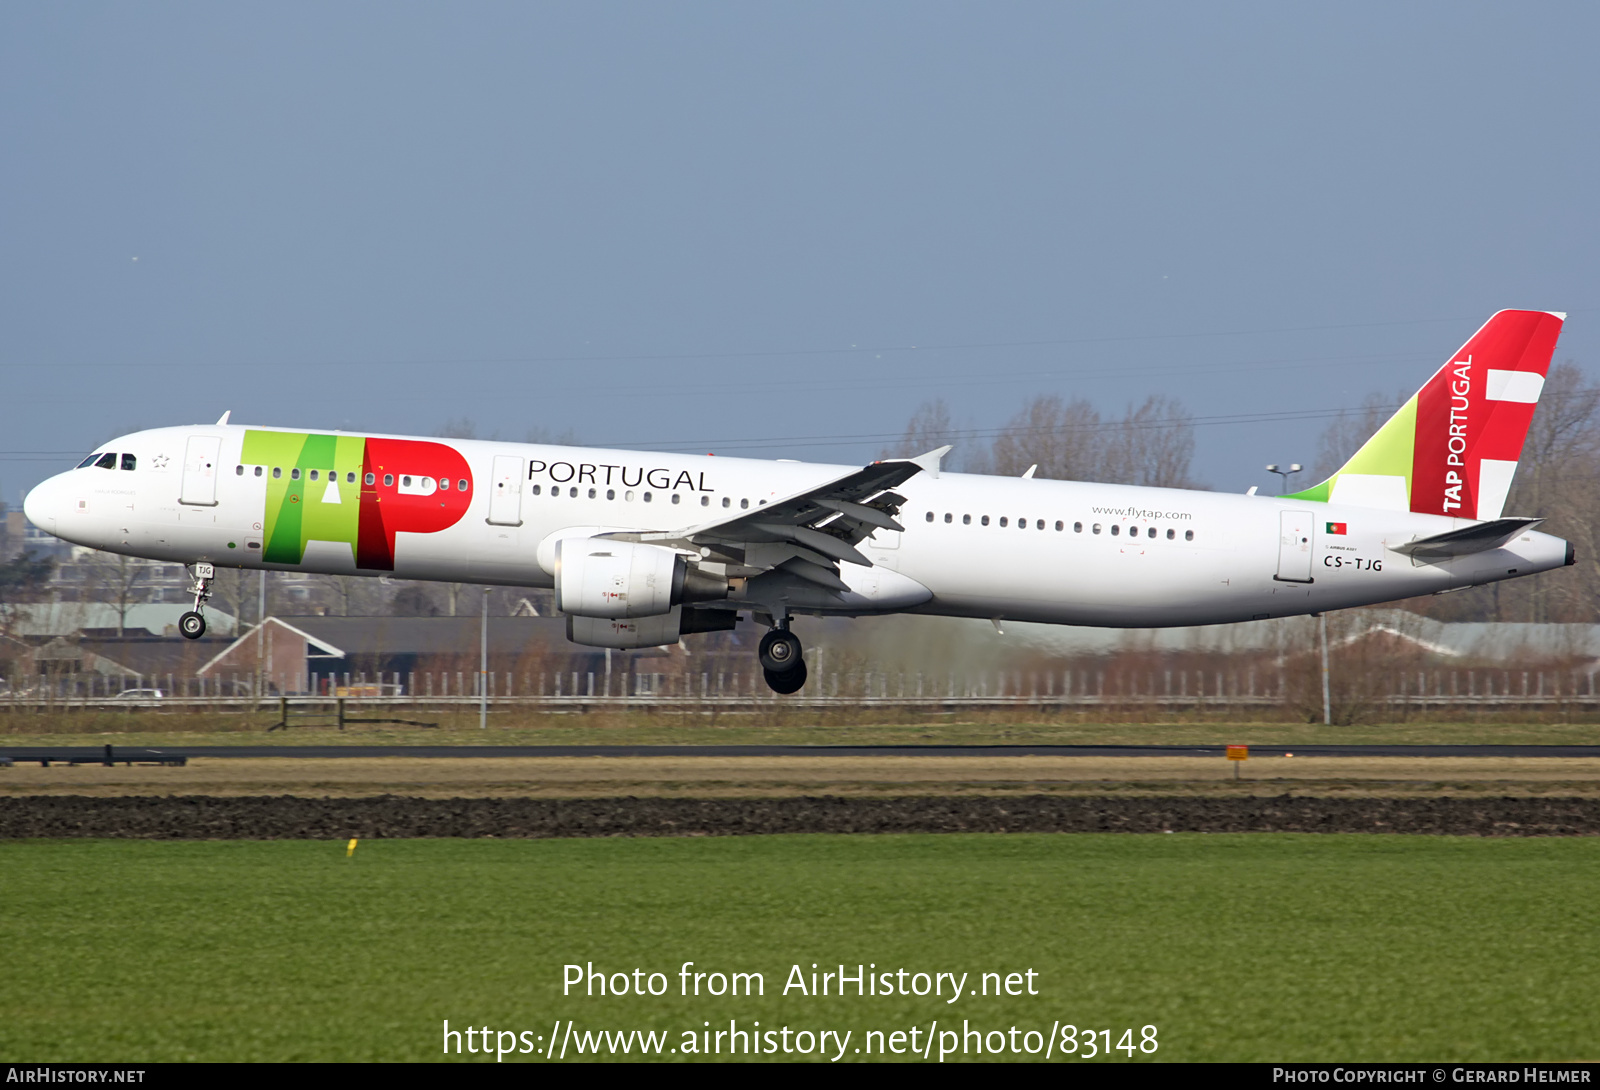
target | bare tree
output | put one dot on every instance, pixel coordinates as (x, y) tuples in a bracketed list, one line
[(1152, 444), (565, 438), (22, 580), (1346, 433), (115, 580), (458, 427), (930, 428), (1063, 438)]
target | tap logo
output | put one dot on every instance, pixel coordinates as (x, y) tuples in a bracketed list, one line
[(354, 491)]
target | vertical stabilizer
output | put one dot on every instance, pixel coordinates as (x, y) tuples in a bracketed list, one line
[(1453, 448)]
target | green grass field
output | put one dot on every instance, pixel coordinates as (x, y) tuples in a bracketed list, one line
[(1253, 947)]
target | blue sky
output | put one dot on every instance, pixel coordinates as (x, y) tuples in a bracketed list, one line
[(774, 230)]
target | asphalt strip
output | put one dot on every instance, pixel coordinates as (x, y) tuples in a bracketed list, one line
[(123, 753)]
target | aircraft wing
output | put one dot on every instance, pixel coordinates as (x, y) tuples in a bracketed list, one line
[(810, 532)]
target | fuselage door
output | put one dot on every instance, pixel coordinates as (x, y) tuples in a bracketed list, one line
[(505, 491), (200, 471), (1294, 546)]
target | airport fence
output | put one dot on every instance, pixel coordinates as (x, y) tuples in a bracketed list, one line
[(735, 690)]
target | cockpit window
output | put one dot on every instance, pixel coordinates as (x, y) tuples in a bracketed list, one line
[(89, 461), (107, 461), (129, 462)]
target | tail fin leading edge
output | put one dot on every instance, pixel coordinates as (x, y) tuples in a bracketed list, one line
[(1453, 448)]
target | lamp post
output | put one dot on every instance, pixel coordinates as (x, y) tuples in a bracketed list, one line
[(483, 665), (1294, 467)]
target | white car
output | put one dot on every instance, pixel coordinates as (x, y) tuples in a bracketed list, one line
[(140, 698)]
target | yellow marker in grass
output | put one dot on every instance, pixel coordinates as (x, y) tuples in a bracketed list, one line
[(351, 850)]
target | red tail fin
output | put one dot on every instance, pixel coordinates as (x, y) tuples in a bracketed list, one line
[(1473, 415)]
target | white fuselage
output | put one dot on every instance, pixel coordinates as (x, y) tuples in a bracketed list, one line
[(974, 546)]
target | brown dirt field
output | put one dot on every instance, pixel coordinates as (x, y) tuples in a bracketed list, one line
[(768, 777), (257, 818)]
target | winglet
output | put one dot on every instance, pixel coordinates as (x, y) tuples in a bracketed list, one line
[(929, 462), (224, 417)]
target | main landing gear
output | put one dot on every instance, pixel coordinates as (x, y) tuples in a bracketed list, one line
[(192, 625), (781, 661)]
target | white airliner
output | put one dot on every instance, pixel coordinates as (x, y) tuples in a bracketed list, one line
[(643, 549)]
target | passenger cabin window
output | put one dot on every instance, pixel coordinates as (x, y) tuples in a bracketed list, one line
[(1077, 527), (461, 485), (258, 471), (349, 478), (444, 485), (676, 498), (537, 490), (1096, 528), (727, 501), (1115, 529), (1171, 534), (1188, 535), (388, 480), (1060, 526), (238, 471), (294, 474), (984, 520), (371, 479), (107, 461), (705, 501), (930, 516), (744, 503), (1003, 522), (277, 471), (966, 520), (313, 474)]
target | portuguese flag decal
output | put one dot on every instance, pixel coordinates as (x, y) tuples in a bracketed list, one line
[(1336, 528)]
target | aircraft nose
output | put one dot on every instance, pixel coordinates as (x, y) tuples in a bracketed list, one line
[(42, 503)]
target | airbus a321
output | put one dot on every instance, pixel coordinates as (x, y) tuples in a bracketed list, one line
[(644, 549)]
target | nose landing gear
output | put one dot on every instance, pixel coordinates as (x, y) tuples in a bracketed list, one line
[(781, 663), (192, 625)]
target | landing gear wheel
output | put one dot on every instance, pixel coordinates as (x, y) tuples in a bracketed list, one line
[(787, 682), (192, 625), (780, 653)]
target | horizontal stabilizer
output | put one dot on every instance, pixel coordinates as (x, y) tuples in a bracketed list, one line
[(1464, 542)]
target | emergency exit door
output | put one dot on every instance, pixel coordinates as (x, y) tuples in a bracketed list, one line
[(200, 471), (1294, 546), (505, 491)]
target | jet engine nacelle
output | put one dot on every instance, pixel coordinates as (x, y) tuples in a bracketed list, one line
[(598, 577), (622, 632)]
